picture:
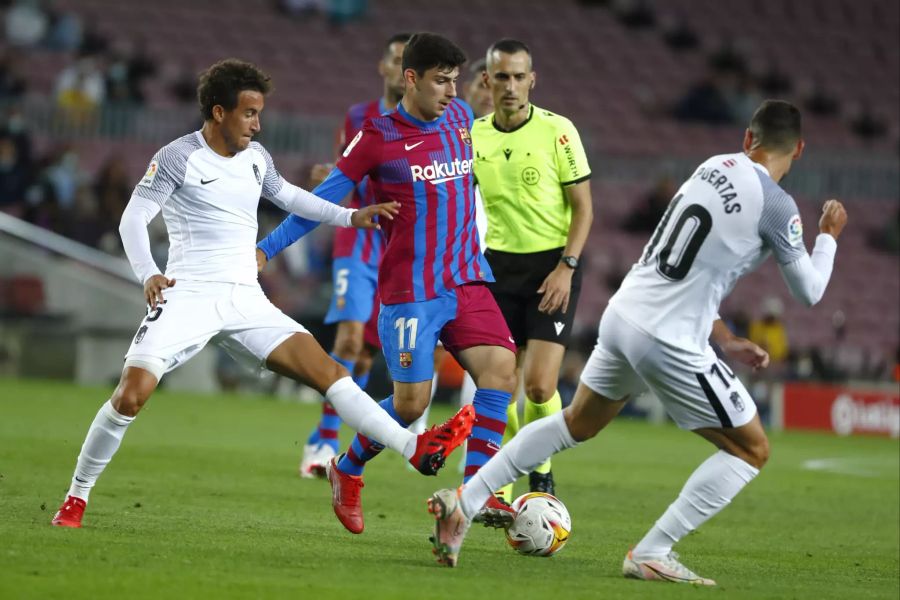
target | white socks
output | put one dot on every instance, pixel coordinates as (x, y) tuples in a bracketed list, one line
[(362, 413), (708, 490), (535, 443), (102, 441)]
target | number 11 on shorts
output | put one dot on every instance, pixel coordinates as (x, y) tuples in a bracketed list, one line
[(401, 325)]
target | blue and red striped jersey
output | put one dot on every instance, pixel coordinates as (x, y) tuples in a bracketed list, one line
[(432, 244), (365, 245)]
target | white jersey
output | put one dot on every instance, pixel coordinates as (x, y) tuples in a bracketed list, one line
[(209, 204), (723, 222)]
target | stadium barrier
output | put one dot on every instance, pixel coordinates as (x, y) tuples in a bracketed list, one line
[(83, 317), (831, 173), (843, 410)]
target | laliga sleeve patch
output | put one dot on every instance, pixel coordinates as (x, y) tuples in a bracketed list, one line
[(353, 143), (795, 231), (150, 175)]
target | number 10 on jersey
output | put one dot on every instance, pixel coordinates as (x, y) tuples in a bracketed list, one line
[(401, 325)]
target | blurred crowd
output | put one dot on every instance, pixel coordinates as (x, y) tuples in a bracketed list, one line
[(50, 188)]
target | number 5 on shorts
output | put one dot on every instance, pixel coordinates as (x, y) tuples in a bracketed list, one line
[(340, 281), (401, 325)]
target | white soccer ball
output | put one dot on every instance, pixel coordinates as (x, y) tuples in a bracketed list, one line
[(541, 527)]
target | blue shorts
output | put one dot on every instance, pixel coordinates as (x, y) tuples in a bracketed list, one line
[(461, 318), (353, 298)]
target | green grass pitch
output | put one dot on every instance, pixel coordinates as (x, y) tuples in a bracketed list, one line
[(203, 501)]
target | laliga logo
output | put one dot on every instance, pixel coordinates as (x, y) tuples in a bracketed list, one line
[(848, 415), (440, 172)]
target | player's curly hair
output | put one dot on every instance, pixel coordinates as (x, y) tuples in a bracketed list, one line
[(224, 81), (429, 50)]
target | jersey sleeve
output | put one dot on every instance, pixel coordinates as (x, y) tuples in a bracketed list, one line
[(362, 154), (164, 175), (780, 226), (345, 134), (335, 187), (272, 182), (571, 160)]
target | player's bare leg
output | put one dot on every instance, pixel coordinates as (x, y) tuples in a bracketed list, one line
[(420, 424), (540, 368), (364, 360), (749, 442), (743, 451), (490, 367), (103, 439)]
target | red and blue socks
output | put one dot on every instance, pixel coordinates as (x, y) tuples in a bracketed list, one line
[(487, 434)]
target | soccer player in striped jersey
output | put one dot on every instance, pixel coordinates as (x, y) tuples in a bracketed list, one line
[(725, 220), (207, 185), (432, 277), (356, 255)]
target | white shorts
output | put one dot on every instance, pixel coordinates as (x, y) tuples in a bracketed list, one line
[(238, 317), (697, 390)]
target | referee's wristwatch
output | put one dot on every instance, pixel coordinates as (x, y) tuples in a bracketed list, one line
[(569, 261)]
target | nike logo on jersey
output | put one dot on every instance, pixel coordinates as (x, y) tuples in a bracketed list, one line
[(411, 146), (559, 327), (205, 181)]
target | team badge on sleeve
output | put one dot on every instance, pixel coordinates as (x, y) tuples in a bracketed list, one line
[(795, 231), (150, 175)]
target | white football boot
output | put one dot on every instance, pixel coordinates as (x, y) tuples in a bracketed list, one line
[(667, 568), (315, 459)]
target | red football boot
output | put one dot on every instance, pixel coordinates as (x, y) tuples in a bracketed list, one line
[(496, 513), (345, 497), (435, 445), (70, 513)]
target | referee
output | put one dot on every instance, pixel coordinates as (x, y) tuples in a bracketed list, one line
[(533, 175)]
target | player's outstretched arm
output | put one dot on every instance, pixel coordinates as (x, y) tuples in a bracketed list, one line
[(808, 276), (334, 189)]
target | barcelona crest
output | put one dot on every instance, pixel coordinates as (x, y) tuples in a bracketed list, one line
[(406, 359), (464, 136)]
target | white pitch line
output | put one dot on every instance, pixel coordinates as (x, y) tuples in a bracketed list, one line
[(858, 467)]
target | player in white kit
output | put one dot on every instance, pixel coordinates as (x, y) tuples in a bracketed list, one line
[(208, 185), (723, 222)]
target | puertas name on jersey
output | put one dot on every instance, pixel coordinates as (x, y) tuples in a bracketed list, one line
[(723, 187)]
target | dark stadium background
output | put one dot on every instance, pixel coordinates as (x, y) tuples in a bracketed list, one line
[(90, 89)]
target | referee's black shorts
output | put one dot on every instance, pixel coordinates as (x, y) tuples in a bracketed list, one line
[(518, 277)]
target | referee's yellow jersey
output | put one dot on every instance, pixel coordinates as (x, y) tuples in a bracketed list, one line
[(522, 173)]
